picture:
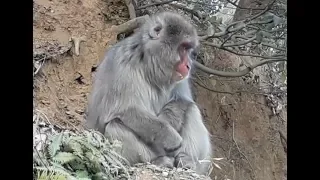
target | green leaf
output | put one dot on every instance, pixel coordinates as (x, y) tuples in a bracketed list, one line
[(64, 157), (55, 145), (48, 172), (101, 176), (93, 162), (77, 165), (76, 148), (82, 174)]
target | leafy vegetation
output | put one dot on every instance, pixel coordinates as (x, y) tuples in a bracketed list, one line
[(81, 156)]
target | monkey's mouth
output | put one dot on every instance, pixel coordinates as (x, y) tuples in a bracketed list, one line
[(180, 76), (181, 71)]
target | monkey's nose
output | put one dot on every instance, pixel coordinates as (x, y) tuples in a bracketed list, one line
[(188, 66)]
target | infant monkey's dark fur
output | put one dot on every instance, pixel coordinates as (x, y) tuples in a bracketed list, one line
[(141, 96)]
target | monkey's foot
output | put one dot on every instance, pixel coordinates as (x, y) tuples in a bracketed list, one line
[(164, 161)]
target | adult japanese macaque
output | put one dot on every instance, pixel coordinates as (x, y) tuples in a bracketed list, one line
[(141, 96)]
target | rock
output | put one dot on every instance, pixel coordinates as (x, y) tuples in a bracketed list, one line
[(165, 174)]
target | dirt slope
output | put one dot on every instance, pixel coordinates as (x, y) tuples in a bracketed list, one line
[(62, 87)]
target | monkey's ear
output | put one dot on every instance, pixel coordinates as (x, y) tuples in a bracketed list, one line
[(155, 30)]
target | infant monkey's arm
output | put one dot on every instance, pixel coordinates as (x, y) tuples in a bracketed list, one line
[(151, 129), (175, 112)]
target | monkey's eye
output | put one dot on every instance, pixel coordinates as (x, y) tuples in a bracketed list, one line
[(154, 32), (157, 29), (186, 46), (193, 54)]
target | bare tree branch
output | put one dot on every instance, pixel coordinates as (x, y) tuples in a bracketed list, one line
[(159, 7), (244, 54), (131, 9), (248, 28), (248, 40), (235, 74), (233, 3), (185, 8), (156, 4), (240, 43), (130, 25), (268, 7), (240, 24)]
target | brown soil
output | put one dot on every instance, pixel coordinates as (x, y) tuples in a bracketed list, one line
[(61, 90)]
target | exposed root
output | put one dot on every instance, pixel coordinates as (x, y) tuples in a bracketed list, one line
[(77, 41), (283, 140)]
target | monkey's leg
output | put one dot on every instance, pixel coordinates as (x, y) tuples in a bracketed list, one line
[(186, 118), (195, 151), (133, 148)]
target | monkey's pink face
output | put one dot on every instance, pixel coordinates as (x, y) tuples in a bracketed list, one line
[(182, 68)]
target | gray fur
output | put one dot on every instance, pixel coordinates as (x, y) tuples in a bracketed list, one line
[(135, 100)]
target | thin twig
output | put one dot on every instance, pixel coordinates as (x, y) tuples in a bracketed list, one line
[(45, 165), (45, 116), (240, 24), (40, 66), (245, 54), (235, 142), (218, 117), (202, 84)]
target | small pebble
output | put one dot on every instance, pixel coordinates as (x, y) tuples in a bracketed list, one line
[(158, 169), (179, 169), (194, 175), (165, 174)]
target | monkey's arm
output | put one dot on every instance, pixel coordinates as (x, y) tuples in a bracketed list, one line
[(174, 113), (151, 129)]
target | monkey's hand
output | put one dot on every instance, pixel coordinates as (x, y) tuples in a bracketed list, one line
[(164, 161), (174, 113), (169, 139), (151, 129)]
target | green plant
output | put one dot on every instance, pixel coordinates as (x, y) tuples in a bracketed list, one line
[(83, 156)]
